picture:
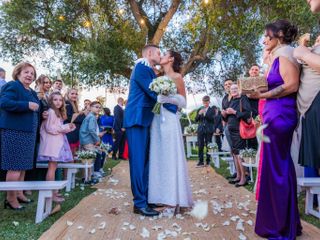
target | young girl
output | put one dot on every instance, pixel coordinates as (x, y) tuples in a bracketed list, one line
[(54, 146)]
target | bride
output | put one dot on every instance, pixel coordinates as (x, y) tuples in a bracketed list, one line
[(169, 182)]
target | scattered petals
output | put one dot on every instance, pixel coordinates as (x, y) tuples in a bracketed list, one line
[(15, 223), (226, 223), (80, 227), (102, 225), (242, 237), (69, 223), (98, 215), (93, 231), (200, 210), (145, 233)]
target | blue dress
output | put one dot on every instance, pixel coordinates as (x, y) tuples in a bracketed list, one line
[(106, 123), (18, 147)]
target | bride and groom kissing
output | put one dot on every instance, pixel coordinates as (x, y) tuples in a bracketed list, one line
[(158, 166)]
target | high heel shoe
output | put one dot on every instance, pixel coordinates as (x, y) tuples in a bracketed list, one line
[(7, 204), (25, 201), (241, 185)]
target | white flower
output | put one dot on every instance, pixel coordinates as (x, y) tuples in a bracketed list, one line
[(145, 233)]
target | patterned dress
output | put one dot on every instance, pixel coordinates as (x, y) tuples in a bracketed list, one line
[(18, 147)]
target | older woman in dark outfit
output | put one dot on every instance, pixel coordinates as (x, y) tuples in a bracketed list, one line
[(239, 109), (19, 120)]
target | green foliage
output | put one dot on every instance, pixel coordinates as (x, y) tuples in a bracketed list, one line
[(98, 41)]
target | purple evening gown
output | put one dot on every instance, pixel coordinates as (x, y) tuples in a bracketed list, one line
[(278, 214)]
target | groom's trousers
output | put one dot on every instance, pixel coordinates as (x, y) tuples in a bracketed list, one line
[(138, 142)]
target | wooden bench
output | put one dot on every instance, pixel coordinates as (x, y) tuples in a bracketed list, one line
[(72, 169), (230, 161), (45, 189), (312, 186), (250, 166), (216, 157)]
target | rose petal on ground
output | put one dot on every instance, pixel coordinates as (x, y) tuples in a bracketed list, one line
[(102, 225), (145, 233), (69, 223), (92, 231), (226, 223), (242, 237), (200, 210)]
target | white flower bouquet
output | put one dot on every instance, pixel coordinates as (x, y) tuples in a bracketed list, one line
[(162, 86), (86, 156), (105, 147), (191, 129), (248, 155), (213, 147)]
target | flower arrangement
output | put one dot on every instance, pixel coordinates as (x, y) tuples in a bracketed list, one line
[(213, 147), (191, 129), (162, 86), (86, 156), (105, 147), (248, 155)]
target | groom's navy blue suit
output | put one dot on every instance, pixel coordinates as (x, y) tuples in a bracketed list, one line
[(137, 120)]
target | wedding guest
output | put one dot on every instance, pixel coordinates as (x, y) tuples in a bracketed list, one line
[(54, 146), (57, 85), (73, 116), (225, 104), (254, 103), (2, 77), (90, 137), (308, 103), (205, 119), (86, 105), (278, 214), (239, 109), (106, 122), (118, 130), (43, 85), (19, 120), (218, 128)]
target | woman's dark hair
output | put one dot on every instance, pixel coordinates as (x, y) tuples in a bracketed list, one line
[(177, 62), (107, 111), (282, 29)]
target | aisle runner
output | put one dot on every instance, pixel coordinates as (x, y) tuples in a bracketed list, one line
[(107, 213)]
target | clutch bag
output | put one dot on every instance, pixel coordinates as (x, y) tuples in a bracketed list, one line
[(248, 84)]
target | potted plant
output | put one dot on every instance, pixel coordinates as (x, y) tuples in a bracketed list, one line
[(248, 155), (86, 157), (213, 147)]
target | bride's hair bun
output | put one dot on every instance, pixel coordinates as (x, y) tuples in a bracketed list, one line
[(177, 62), (284, 30)]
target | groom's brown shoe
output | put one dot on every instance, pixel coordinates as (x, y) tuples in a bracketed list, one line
[(145, 211)]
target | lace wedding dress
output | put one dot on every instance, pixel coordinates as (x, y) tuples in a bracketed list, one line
[(169, 181)]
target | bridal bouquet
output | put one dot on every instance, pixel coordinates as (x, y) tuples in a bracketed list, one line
[(162, 86)]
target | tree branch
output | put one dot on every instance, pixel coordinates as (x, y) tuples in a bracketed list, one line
[(165, 21), (140, 15)]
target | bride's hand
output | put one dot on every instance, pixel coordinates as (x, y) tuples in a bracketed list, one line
[(162, 99)]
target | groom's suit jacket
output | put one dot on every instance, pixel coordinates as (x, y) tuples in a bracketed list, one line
[(141, 99)]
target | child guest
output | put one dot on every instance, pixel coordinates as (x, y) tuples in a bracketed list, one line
[(90, 137), (54, 146)]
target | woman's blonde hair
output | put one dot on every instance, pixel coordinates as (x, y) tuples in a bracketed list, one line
[(73, 104), (18, 69), (61, 113), (39, 85)]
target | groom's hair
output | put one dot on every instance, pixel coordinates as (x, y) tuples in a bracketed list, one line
[(147, 46)]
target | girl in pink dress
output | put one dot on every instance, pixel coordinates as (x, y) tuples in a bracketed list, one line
[(54, 146)]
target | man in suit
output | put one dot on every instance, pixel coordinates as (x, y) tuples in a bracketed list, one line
[(218, 128), (118, 129), (205, 119), (137, 120)]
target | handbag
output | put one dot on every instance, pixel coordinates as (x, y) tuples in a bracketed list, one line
[(247, 130)]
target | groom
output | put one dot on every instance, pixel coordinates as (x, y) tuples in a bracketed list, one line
[(137, 120)]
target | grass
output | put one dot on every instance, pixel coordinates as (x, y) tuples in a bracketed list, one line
[(27, 229), (224, 171)]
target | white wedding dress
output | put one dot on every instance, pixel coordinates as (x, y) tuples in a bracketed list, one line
[(169, 181)]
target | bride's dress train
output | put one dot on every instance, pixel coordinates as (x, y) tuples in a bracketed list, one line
[(169, 181)]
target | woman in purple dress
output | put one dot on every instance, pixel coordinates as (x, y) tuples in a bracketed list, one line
[(277, 214)]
